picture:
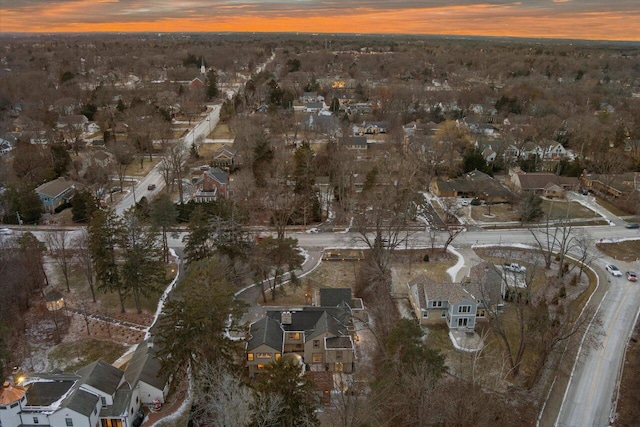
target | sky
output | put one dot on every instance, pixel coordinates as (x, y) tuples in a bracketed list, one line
[(574, 19)]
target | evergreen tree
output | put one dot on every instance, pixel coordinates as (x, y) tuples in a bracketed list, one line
[(143, 267), (105, 231), (284, 377), (196, 325), (198, 245), (163, 214)]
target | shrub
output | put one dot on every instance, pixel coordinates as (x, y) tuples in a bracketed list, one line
[(574, 280), (563, 292)]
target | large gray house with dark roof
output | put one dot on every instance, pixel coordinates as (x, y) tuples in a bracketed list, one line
[(322, 336)]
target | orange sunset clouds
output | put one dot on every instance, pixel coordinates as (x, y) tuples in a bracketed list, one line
[(575, 19)]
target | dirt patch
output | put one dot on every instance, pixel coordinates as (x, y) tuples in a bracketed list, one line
[(625, 251), (628, 409)]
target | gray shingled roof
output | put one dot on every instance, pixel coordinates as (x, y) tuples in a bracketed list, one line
[(81, 402), (120, 406), (44, 393), (145, 366), (332, 297), (266, 331), (55, 188), (435, 291), (101, 376)]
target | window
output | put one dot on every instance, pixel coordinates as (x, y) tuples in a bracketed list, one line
[(464, 309), (316, 358), (103, 400), (462, 321), (68, 421), (294, 336), (260, 366), (480, 313), (436, 303), (263, 355), (250, 357), (425, 314), (339, 355), (278, 355), (316, 343), (36, 420), (338, 367), (443, 314)]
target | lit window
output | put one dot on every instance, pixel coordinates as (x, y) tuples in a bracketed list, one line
[(294, 336), (278, 356), (250, 357), (260, 366), (263, 355), (316, 358)]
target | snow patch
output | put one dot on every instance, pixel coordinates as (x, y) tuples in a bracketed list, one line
[(453, 271)]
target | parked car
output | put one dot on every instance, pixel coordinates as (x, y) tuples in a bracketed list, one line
[(116, 189), (6, 231), (151, 187), (632, 225), (515, 267), (476, 202), (631, 276), (615, 271)]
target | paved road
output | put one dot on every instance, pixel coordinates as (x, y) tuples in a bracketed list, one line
[(140, 187), (592, 387)]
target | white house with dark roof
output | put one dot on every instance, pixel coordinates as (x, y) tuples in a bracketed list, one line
[(144, 374), (95, 395)]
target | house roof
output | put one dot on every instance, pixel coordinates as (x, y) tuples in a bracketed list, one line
[(266, 331), (55, 188), (145, 366), (332, 297), (121, 402), (81, 402), (101, 376), (53, 296), (359, 141), (310, 320), (438, 291), (538, 180), (10, 393), (49, 391)]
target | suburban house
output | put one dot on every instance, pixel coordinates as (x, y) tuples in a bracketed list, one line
[(356, 143), (319, 336), (538, 182), (458, 305), (226, 157), (144, 375), (615, 185), (308, 97), (98, 394), (95, 395), (473, 184), (76, 121), (5, 146), (370, 128), (323, 124), (56, 193), (212, 185)]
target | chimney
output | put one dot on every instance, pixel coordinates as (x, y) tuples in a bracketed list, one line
[(285, 318)]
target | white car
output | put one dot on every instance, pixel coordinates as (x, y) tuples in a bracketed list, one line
[(613, 270), (6, 231)]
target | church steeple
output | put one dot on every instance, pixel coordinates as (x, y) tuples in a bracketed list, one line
[(203, 70)]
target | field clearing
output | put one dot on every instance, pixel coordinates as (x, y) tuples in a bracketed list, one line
[(70, 356), (628, 250), (222, 131)]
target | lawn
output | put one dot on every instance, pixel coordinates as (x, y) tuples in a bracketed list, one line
[(328, 275), (499, 213), (133, 169), (222, 131), (557, 209), (70, 356)]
